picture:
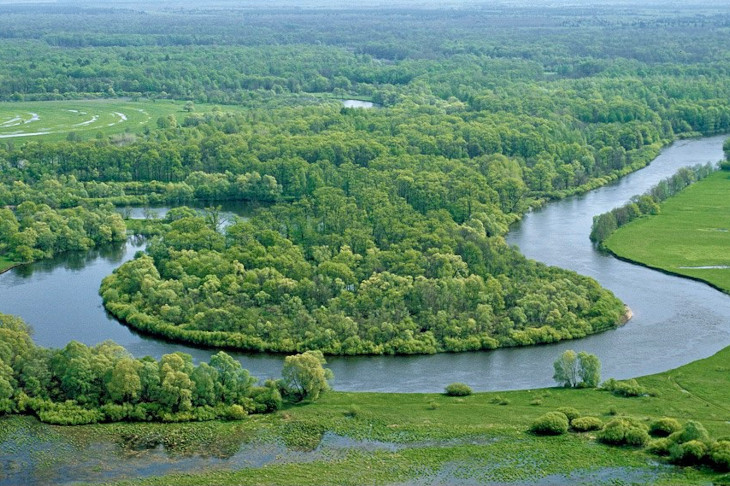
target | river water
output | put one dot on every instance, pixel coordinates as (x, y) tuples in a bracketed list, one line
[(675, 320)]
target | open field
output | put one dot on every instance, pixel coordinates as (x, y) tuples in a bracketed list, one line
[(689, 237), (54, 120), (370, 438)]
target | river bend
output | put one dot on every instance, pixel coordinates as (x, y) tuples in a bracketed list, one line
[(675, 320)]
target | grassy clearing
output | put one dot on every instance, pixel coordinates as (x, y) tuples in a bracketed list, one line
[(375, 438), (6, 264), (692, 230), (54, 120)]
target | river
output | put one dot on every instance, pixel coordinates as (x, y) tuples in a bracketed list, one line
[(675, 320)]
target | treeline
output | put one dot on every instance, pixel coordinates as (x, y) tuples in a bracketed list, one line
[(104, 383), (359, 274), (648, 203), (219, 55)]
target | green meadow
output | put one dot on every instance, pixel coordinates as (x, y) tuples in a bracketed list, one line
[(690, 236), (54, 120)]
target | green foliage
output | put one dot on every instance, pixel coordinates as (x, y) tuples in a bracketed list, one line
[(352, 411), (692, 430), (324, 295), (719, 454), (604, 225), (552, 423), (664, 427), (586, 424), (304, 376), (660, 447), (80, 384), (624, 431), (33, 231), (581, 369), (458, 390), (624, 388), (692, 452), (569, 412)]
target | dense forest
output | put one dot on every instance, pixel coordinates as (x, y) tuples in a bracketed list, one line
[(381, 230)]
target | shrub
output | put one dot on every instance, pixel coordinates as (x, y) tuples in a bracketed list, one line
[(624, 431), (569, 412), (266, 398), (637, 437), (432, 405), (458, 390), (660, 447), (500, 400), (628, 388), (584, 424), (720, 455), (664, 426), (552, 423), (235, 412), (352, 411), (691, 431), (689, 453)]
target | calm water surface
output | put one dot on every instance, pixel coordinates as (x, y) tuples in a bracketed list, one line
[(675, 320)]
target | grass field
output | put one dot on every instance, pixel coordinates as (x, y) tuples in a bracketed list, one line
[(54, 120), (371, 438), (690, 236)]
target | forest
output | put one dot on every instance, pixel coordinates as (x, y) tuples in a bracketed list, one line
[(380, 230)]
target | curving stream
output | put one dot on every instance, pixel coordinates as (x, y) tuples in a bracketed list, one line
[(675, 320)]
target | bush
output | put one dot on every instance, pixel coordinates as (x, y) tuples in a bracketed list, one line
[(235, 412), (624, 431), (458, 390), (689, 453), (691, 431), (584, 424), (552, 423), (660, 447), (720, 455), (628, 388), (352, 411), (664, 426), (500, 400), (637, 437), (569, 412)]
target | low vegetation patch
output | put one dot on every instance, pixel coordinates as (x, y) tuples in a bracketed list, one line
[(458, 390), (586, 424), (552, 423)]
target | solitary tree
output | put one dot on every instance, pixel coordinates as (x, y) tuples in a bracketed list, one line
[(304, 375), (573, 369)]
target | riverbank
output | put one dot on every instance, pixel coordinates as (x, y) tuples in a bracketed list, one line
[(6, 264), (377, 438), (686, 313), (689, 237)]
